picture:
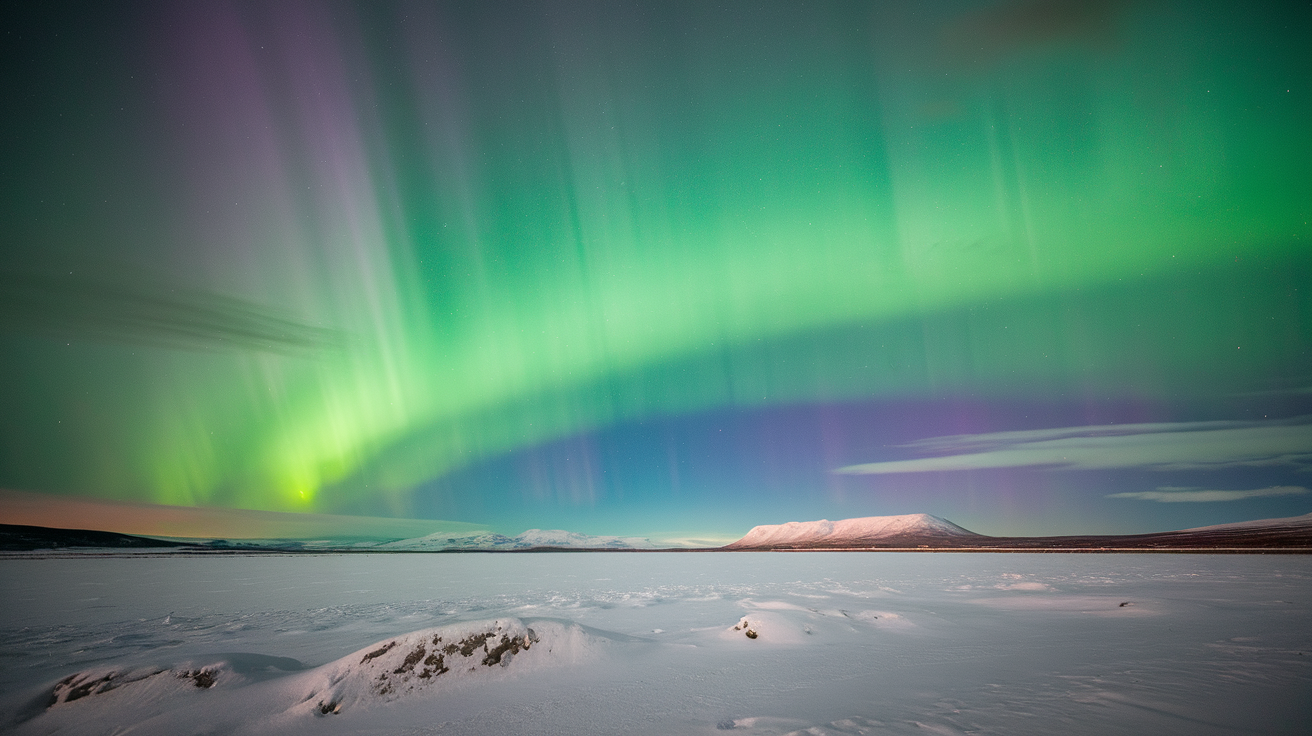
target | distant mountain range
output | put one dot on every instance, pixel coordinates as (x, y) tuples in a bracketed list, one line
[(906, 532), (27, 538), (531, 539), (916, 531)]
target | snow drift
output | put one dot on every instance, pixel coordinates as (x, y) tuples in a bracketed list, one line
[(430, 660)]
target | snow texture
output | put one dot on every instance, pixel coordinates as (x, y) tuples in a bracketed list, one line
[(688, 643)]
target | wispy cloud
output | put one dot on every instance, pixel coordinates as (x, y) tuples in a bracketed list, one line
[(1160, 446), (1175, 495), (125, 306)]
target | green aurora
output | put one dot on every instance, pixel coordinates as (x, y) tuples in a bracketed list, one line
[(320, 257)]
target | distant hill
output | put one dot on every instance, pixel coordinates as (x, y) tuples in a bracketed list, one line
[(531, 539), (17, 537), (914, 531)]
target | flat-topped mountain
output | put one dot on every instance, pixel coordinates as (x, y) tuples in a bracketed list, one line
[(908, 530), (914, 531)]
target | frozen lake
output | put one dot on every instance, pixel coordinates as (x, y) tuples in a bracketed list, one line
[(846, 643)]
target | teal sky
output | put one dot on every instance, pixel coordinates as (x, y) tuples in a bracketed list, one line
[(661, 268)]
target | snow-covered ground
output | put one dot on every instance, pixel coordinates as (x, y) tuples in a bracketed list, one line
[(657, 643)]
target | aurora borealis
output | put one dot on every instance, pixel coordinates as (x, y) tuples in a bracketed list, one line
[(664, 268)]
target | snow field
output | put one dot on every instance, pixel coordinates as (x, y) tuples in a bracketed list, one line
[(846, 643)]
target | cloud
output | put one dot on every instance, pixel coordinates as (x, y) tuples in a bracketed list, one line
[(1173, 495), (119, 305), (1160, 446), (693, 542)]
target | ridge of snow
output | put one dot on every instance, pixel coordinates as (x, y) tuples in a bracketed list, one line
[(866, 528)]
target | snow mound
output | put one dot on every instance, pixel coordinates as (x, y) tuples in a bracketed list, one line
[(431, 660), (103, 680), (766, 628), (863, 531), (425, 661)]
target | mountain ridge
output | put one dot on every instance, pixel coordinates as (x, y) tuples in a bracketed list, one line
[(530, 539), (915, 531), (901, 532)]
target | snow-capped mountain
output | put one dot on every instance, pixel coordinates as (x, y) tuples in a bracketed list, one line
[(880, 531), (533, 538), (923, 530)]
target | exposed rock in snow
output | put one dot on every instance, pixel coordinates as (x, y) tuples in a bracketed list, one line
[(417, 661), (99, 681), (886, 531), (745, 626)]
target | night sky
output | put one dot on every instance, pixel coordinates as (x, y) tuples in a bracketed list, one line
[(664, 269)]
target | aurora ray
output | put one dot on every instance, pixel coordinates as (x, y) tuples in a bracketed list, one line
[(402, 259)]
